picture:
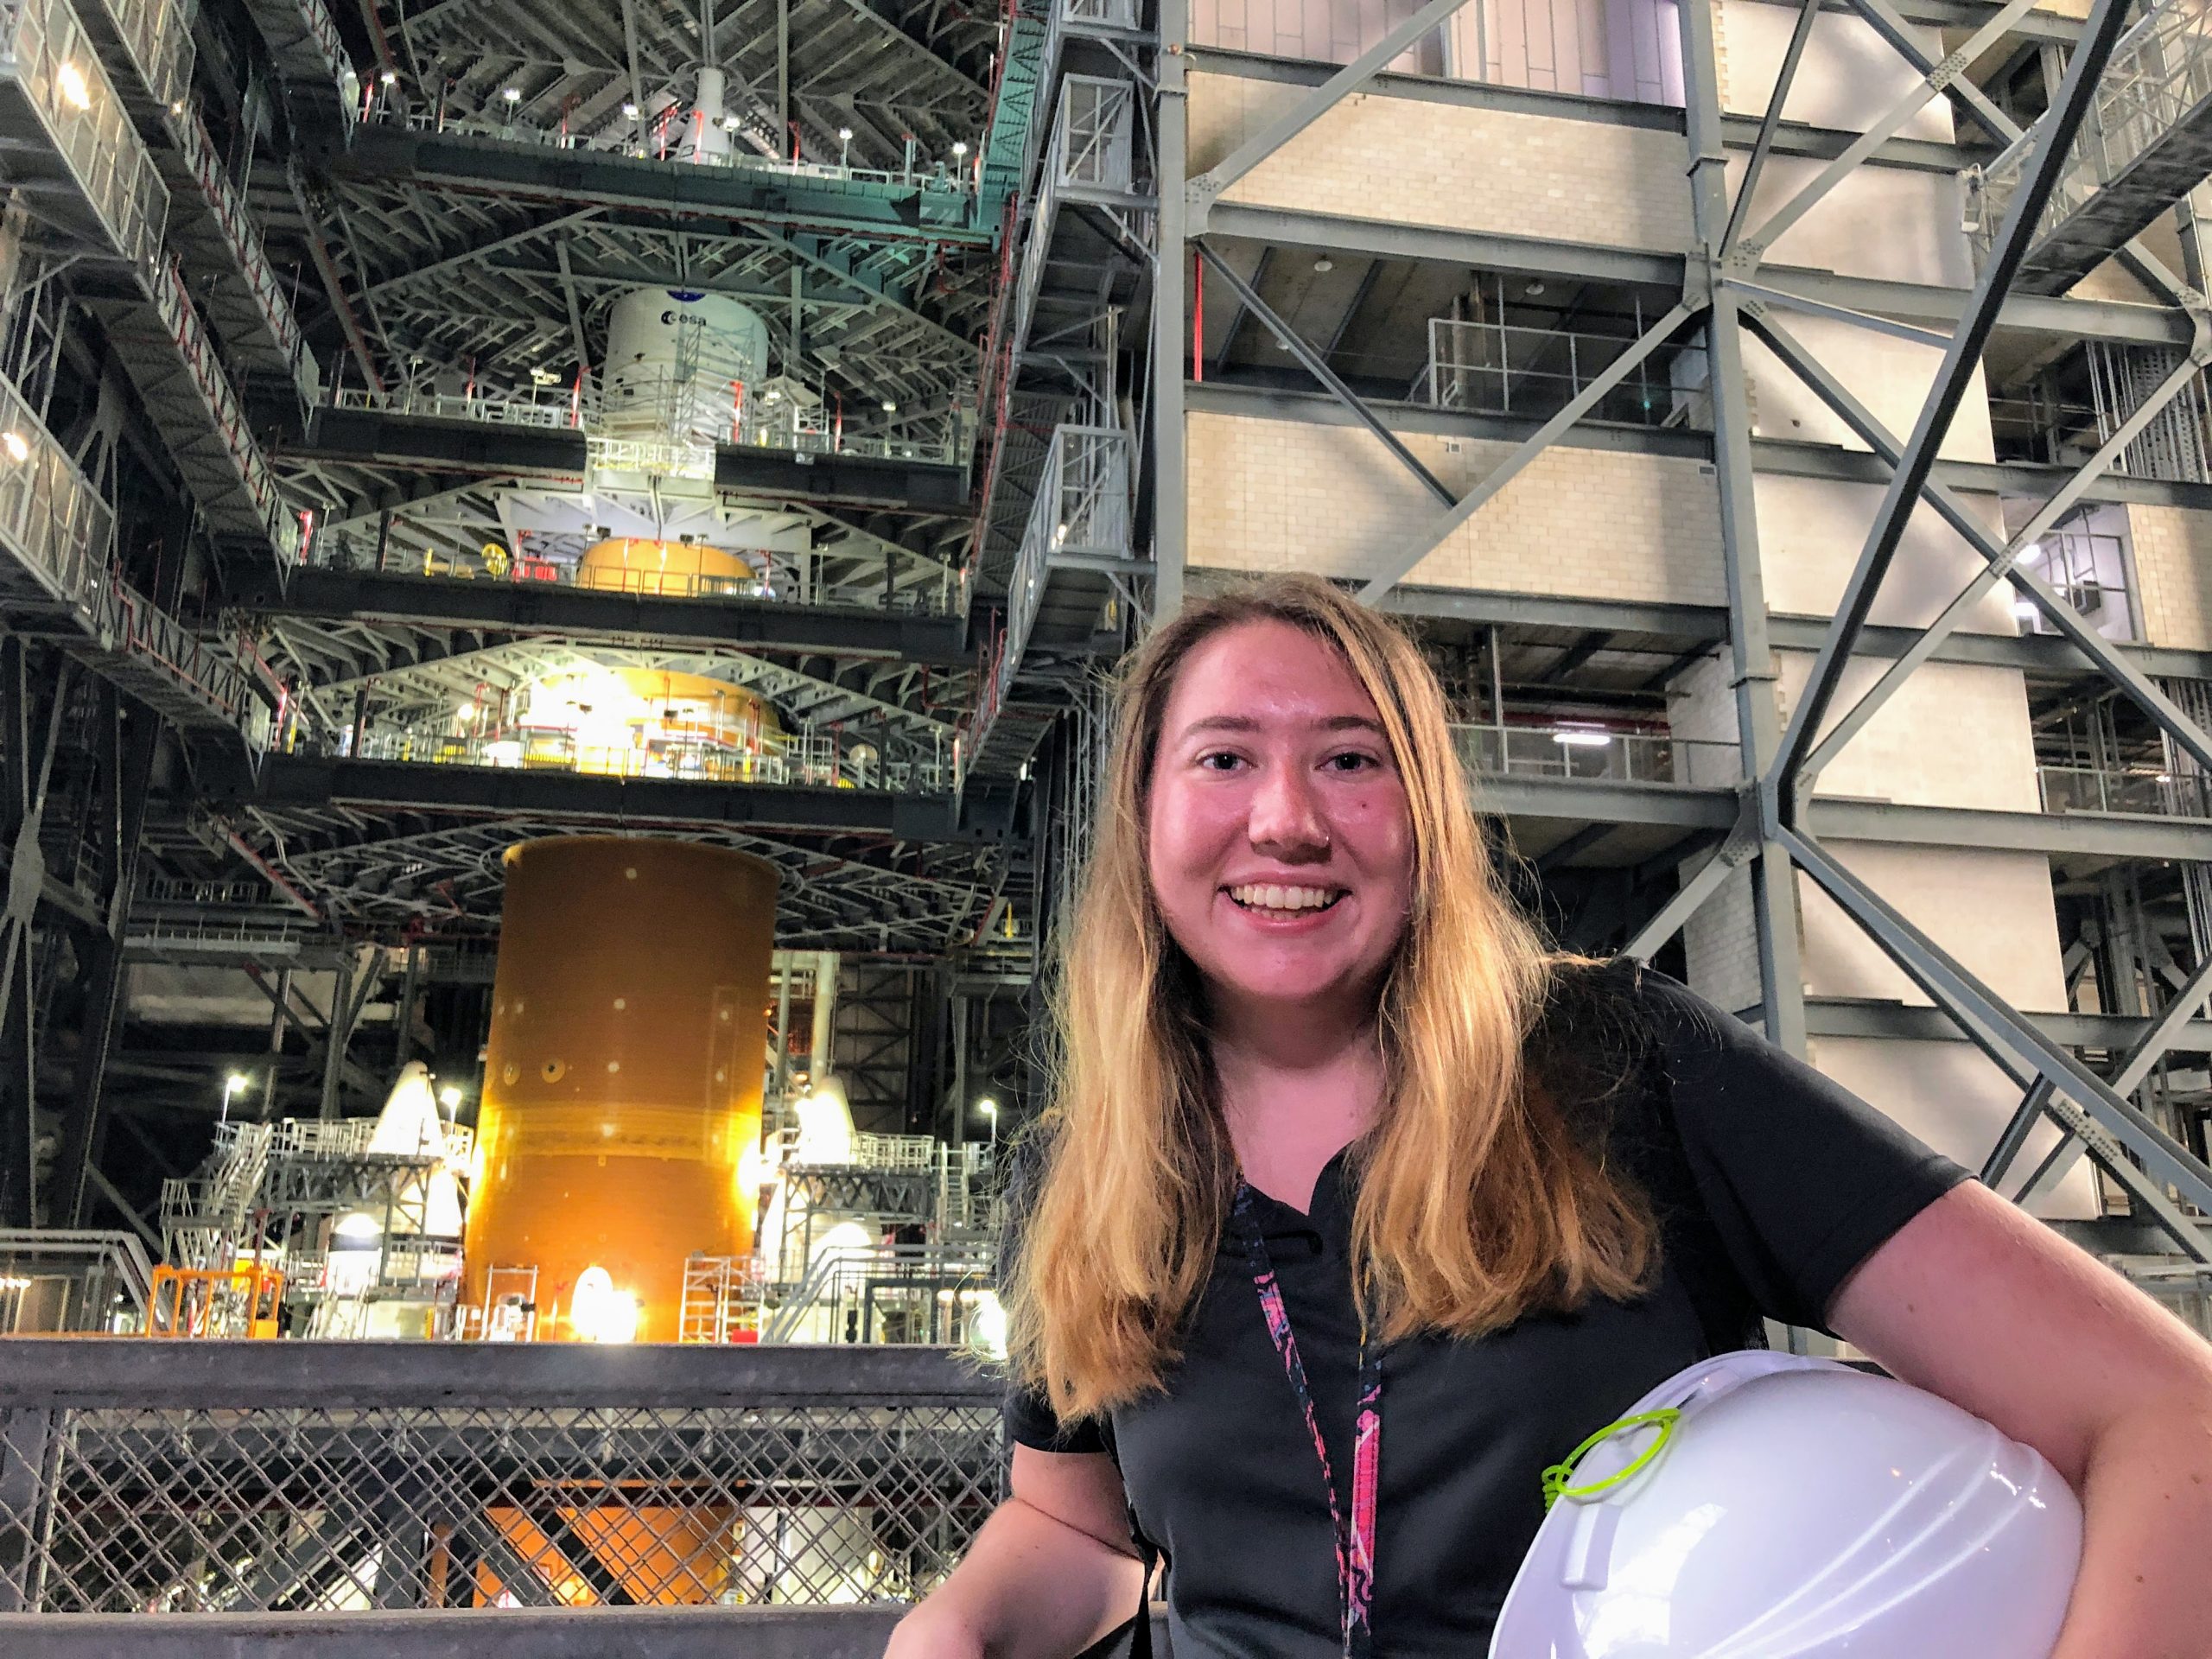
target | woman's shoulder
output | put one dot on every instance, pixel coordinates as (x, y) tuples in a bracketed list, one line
[(1619, 1007), (1614, 1040)]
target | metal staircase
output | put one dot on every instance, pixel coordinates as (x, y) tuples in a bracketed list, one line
[(320, 89), (71, 133), (1064, 582), (56, 583), (216, 243), (2146, 144)]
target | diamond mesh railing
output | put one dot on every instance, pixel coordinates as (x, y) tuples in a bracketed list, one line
[(306, 1477)]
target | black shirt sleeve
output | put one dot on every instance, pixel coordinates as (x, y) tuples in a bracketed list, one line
[(1800, 1178)]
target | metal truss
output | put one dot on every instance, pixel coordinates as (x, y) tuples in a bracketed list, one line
[(378, 873), (1724, 293)]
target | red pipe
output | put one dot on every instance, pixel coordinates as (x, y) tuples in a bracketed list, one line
[(1198, 316)]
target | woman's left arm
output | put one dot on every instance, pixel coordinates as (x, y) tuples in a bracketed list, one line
[(1976, 1301)]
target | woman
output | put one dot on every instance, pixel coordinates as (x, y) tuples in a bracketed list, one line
[(1313, 1065)]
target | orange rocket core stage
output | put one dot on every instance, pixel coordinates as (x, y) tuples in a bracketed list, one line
[(621, 1103)]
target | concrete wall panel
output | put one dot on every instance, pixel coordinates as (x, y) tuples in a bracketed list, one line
[(1992, 910)]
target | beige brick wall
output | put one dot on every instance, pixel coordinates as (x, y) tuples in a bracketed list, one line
[(2173, 574), (1278, 495), (1410, 160)]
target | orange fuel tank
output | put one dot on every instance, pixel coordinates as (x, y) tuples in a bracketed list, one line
[(621, 1117), (675, 569)]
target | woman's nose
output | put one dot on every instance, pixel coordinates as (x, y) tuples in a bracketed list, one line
[(1286, 819)]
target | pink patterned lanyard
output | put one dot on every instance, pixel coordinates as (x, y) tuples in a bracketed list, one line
[(1355, 1534)]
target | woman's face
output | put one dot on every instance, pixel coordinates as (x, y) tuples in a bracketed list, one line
[(1279, 842)]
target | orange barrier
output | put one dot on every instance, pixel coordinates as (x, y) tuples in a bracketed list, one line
[(242, 1301)]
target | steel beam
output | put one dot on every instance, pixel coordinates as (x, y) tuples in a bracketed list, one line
[(2053, 144), (586, 613), (509, 168), (1315, 365), (1972, 1003), (293, 780), (1763, 146), (2110, 662), (1171, 226), (1304, 111), (2159, 1038), (1399, 560)]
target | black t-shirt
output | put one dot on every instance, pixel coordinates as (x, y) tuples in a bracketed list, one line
[(1771, 1183)]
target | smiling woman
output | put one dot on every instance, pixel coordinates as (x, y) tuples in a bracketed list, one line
[(1336, 1144)]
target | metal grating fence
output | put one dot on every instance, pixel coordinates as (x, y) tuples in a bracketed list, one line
[(315, 1478)]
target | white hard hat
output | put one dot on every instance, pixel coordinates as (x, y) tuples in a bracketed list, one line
[(1768, 1506)]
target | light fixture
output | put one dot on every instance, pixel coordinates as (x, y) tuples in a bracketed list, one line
[(512, 94), (1533, 289), (597, 1311), (449, 1097), (389, 78), (76, 92), (959, 146), (629, 110), (729, 123), (1569, 737), (12, 441), (1324, 264), (235, 1082), (987, 1107), (844, 135), (889, 407)]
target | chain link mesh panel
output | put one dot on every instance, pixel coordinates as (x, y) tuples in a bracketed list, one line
[(286, 1508)]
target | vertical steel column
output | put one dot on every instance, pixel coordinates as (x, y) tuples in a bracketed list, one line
[(1759, 723), (335, 1035), (1169, 471), (127, 765)]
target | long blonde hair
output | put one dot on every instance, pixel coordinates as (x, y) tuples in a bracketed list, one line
[(1477, 1204)]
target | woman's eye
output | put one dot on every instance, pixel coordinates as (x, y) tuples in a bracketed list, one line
[(1351, 760), (1219, 760)]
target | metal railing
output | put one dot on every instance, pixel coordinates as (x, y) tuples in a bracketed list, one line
[(1493, 368), (68, 1279), (2160, 71), (812, 430), (820, 761), (656, 137), (1081, 510), (52, 520), (195, 348), (46, 51), (306, 1477), (945, 596), (1588, 751), (250, 256), (548, 407), (158, 36), (888, 1295), (1094, 138), (2148, 792), (220, 678)]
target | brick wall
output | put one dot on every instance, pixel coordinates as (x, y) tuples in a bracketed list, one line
[(1286, 494), (2173, 574), (1416, 161)]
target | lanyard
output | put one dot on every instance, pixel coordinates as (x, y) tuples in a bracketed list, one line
[(1355, 1534)]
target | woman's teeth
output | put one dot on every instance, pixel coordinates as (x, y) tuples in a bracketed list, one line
[(1270, 897)]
